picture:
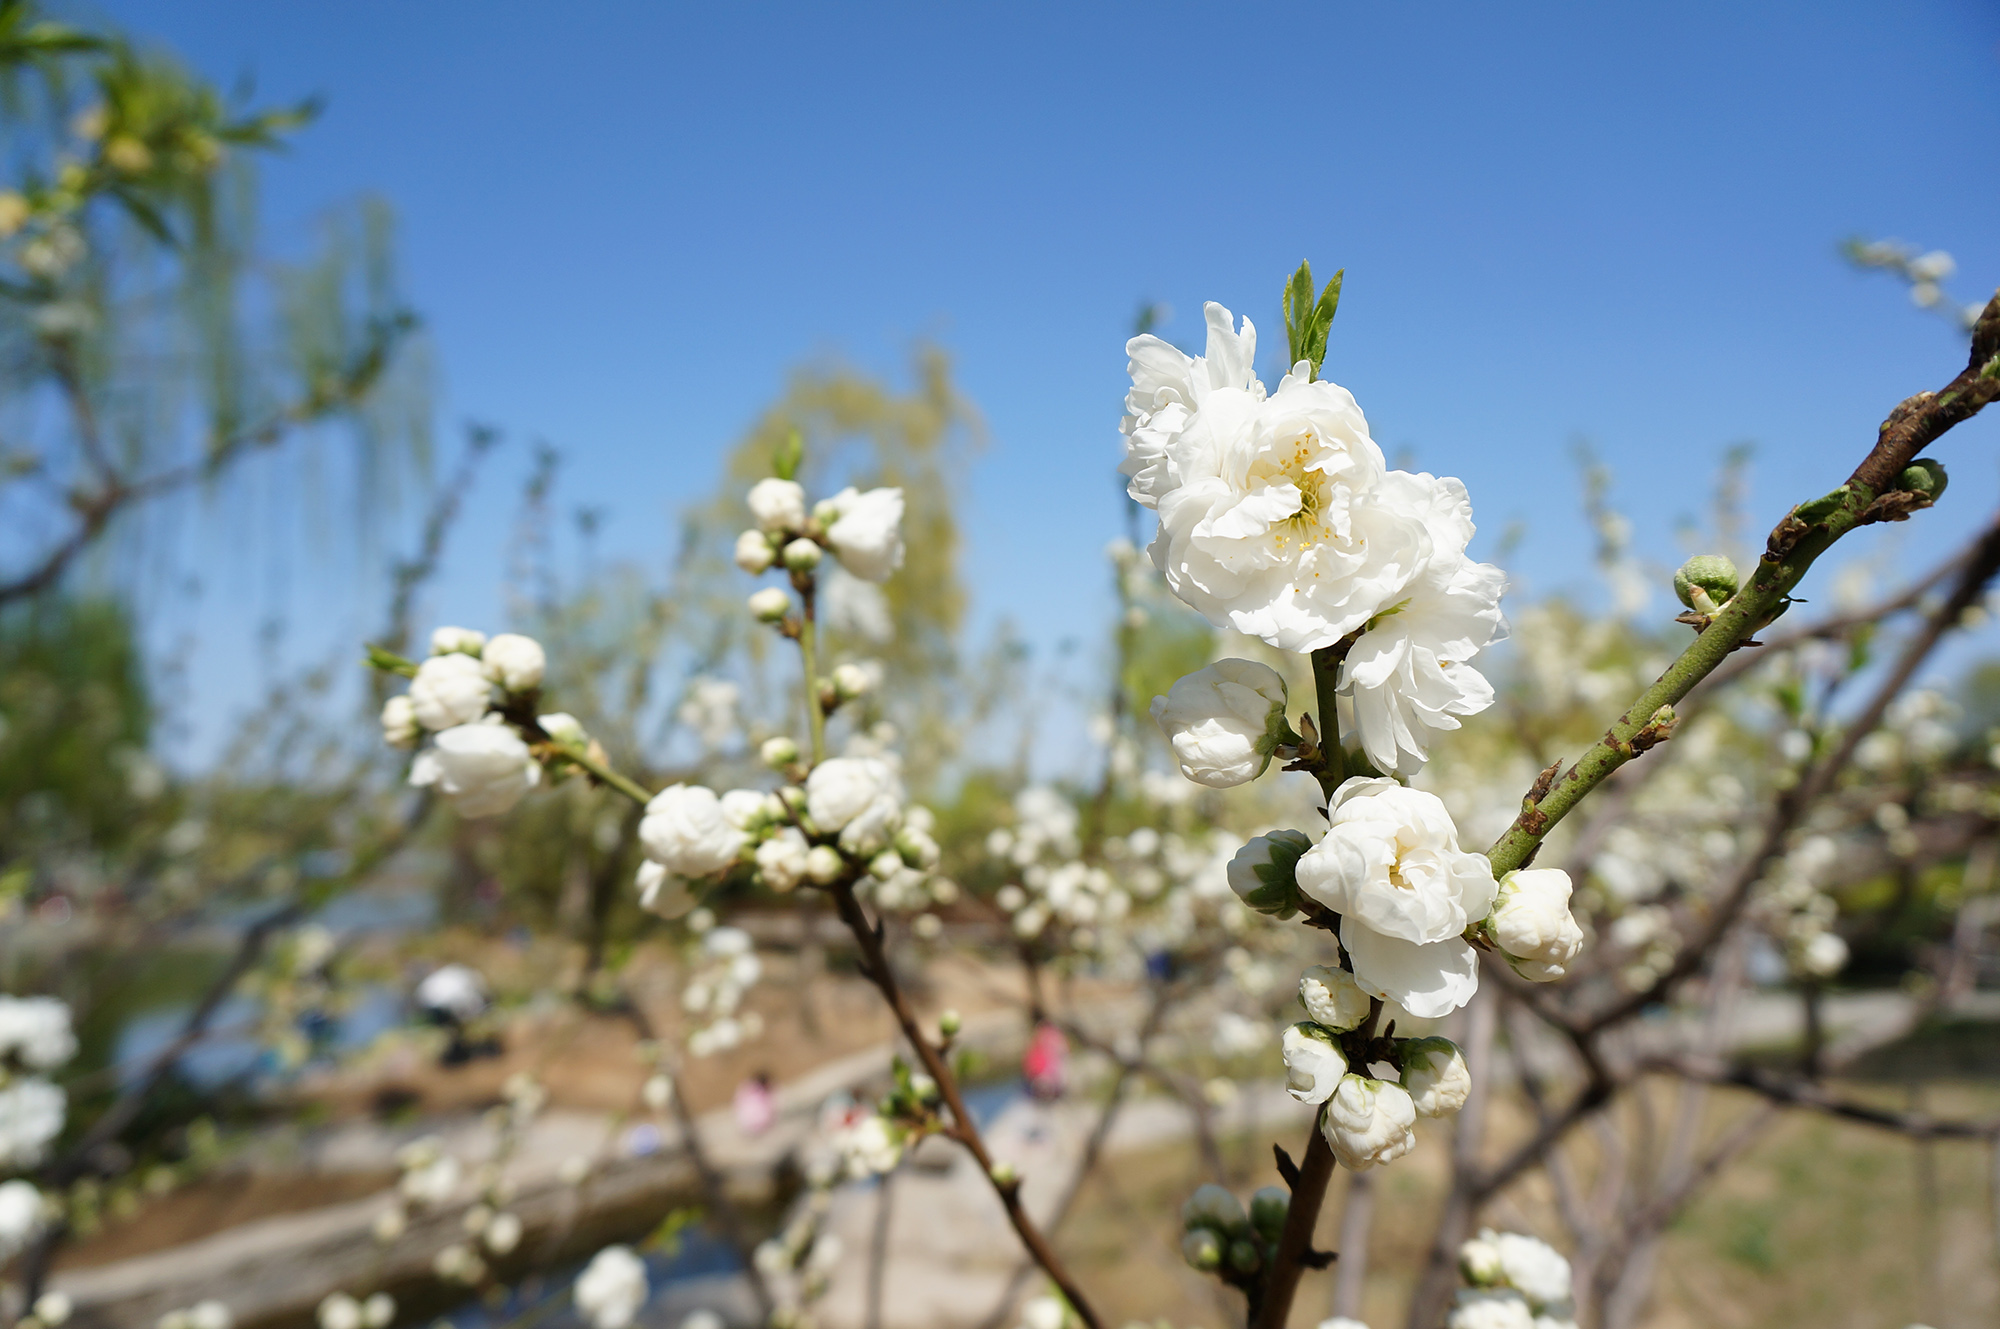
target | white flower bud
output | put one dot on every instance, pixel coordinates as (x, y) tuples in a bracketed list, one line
[(563, 728), (503, 1234), (1224, 721), (1435, 1074), (686, 831), (1532, 926), (1479, 1261), (484, 769), (54, 1309), (662, 893), (1823, 955), (613, 1286), (657, 1093), (851, 681), (784, 860), (339, 1311), (449, 690), (1313, 1065), (460, 641), (515, 662), (866, 531), (779, 752), (824, 865), (1367, 1122), (399, 722), (771, 604), (1264, 872), (1212, 1206), (778, 505), (754, 553), (1333, 998), (1201, 1248), (378, 1311), (885, 865), (801, 555), (917, 848), (390, 1225)]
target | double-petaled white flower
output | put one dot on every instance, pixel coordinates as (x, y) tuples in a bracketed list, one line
[(515, 662), (1532, 923), (781, 860), (1224, 722), (612, 1288), (1333, 998), (450, 689), (686, 831), (844, 788), (1406, 679), (1390, 865), (779, 506), (1496, 1309), (35, 1032), (484, 769), (866, 531), (1313, 1064), (1532, 1267), (1368, 1122)]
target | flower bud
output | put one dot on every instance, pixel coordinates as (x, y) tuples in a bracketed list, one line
[(1435, 1075), (917, 849), (779, 752), (852, 680), (824, 864), (1531, 923), (1224, 722), (1267, 1212), (754, 553), (885, 864), (1924, 476), (949, 1023), (1202, 1249), (801, 555), (1313, 1065), (1333, 998), (1479, 1261), (1368, 1121), (457, 641), (1214, 1207), (515, 662), (1243, 1257), (1264, 873), (778, 505), (562, 727), (399, 722), (1006, 1174), (1706, 582), (771, 604)]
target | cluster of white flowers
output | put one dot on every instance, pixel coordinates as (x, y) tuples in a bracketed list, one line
[(864, 530), (338, 1310), (462, 697), (1279, 518), (35, 1037), (1517, 1282), (612, 1288), (725, 969)]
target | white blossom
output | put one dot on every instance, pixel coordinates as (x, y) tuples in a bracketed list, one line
[(450, 690), (770, 605), (1503, 1309), (663, 893), (456, 990), (754, 553), (841, 789), (613, 1288), (1313, 1065), (1224, 721), (54, 1308), (515, 662), (462, 641), (866, 533), (1368, 1122), (684, 830), (35, 1032), (1435, 1074), (562, 727), (399, 722), (31, 1115), (337, 1310), (20, 1217), (1823, 954), (484, 769), (1532, 925), (1044, 1313), (1169, 386), (1390, 865), (1533, 1267), (870, 1146), (1407, 679), (1333, 998), (782, 860), (779, 506)]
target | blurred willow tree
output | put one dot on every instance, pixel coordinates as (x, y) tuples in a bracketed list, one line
[(148, 352)]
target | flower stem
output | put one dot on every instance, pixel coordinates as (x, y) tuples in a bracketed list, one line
[(809, 655), (1288, 1264), (604, 775), (1326, 680)]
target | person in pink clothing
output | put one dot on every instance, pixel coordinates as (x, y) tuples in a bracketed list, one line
[(755, 1106), (1045, 1065)]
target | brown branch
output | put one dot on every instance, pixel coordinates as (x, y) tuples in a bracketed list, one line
[(1799, 1092), (875, 968)]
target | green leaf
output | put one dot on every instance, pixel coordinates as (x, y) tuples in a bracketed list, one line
[(786, 456), (1308, 320), (389, 662)]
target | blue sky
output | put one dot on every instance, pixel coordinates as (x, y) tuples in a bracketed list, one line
[(624, 222)]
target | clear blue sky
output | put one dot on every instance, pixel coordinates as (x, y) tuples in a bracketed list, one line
[(624, 222)]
